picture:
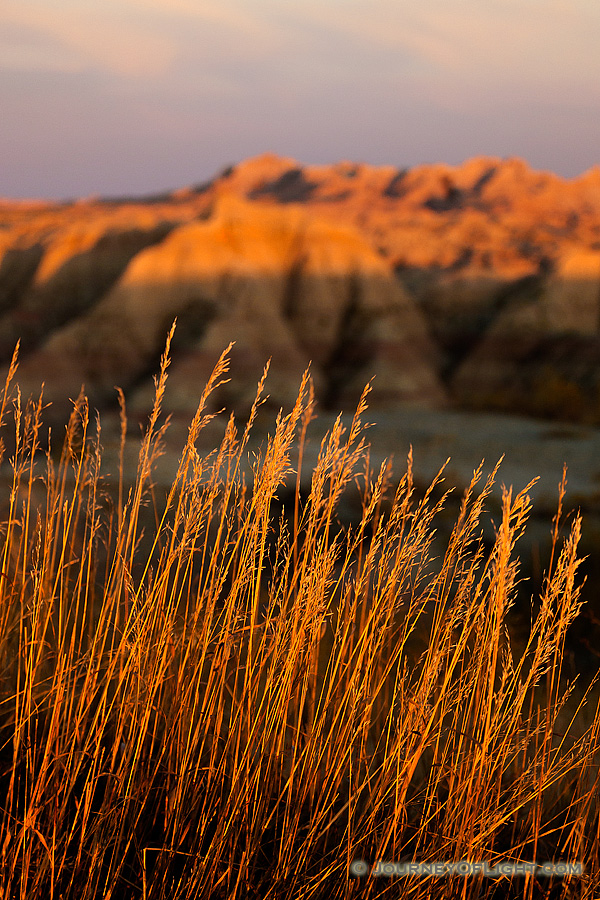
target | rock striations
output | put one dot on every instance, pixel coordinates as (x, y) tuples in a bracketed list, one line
[(476, 285)]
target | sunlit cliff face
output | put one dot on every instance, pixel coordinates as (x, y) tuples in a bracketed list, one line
[(473, 284)]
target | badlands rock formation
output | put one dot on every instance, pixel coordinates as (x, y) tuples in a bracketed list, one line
[(476, 285), (279, 283), (541, 354)]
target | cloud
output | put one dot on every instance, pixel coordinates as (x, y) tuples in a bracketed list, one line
[(381, 26), (463, 46), (72, 39), (225, 17), (30, 50), (516, 41)]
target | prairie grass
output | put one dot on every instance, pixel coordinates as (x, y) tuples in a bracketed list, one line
[(243, 703)]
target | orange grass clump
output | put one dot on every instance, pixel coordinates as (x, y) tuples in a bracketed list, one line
[(236, 711)]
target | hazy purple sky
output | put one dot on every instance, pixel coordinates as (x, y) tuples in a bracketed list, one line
[(135, 96)]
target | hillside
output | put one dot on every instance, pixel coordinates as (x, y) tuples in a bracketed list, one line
[(474, 286)]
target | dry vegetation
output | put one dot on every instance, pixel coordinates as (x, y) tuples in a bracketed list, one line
[(235, 708)]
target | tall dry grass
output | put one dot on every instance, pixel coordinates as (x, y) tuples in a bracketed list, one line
[(234, 708)]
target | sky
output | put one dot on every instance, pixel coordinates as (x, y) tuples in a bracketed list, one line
[(132, 97)]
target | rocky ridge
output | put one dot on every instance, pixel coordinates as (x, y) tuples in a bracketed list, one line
[(475, 286)]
